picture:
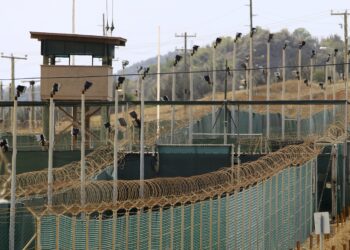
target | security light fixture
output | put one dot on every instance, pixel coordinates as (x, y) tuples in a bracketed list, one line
[(165, 98), (145, 72), (4, 145), (55, 88), (238, 35), (313, 53), (277, 75), (32, 83), (285, 45), (243, 84), (296, 74), (306, 82), (335, 52), (270, 37), (177, 59), (207, 79), (41, 139), (218, 40), (139, 69), (20, 90), (321, 84), (75, 131), (87, 85), (194, 49), (244, 66), (228, 70), (133, 114), (328, 58), (301, 44), (329, 78), (125, 63), (121, 79), (252, 32), (107, 125), (122, 122)]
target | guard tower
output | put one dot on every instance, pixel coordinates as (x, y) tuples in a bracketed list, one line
[(72, 77)]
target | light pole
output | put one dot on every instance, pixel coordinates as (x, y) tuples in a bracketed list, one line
[(283, 118), (142, 128), (139, 70), (250, 95), (234, 77), (334, 74), (217, 42), (301, 45), (87, 85), (55, 89), (121, 79), (268, 78), (312, 63), (20, 90), (190, 132), (173, 97)]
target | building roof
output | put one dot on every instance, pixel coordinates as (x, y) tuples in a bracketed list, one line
[(42, 36)]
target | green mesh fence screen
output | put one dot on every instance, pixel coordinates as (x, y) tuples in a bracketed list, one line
[(273, 214)]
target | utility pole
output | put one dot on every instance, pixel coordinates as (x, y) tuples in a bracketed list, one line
[(186, 85), (346, 41), (346, 78), (13, 60)]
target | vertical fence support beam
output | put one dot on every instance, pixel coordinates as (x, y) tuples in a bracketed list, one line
[(200, 226), (219, 221), (127, 230), (211, 223), (227, 216), (38, 229), (161, 228), (182, 235), (74, 222), (87, 231), (235, 219), (114, 229), (138, 230), (58, 232), (99, 231), (192, 226), (172, 227), (270, 213), (150, 228)]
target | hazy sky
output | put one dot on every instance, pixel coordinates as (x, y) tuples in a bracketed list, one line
[(138, 21)]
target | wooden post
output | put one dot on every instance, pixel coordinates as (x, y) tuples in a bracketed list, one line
[(333, 247), (311, 243), (318, 240), (298, 245), (344, 246)]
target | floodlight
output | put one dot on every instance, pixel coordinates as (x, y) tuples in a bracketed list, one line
[(228, 70), (194, 49), (277, 75), (165, 98), (313, 53), (55, 88), (217, 42), (285, 45), (75, 131), (137, 123), (125, 63), (4, 145), (133, 114), (306, 82), (252, 31), (139, 69), (32, 82), (329, 78), (301, 44), (121, 79), (238, 35), (335, 52), (177, 59), (20, 90), (270, 37), (321, 84), (41, 138), (87, 85), (107, 125), (328, 58), (207, 79), (122, 122), (145, 72)]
